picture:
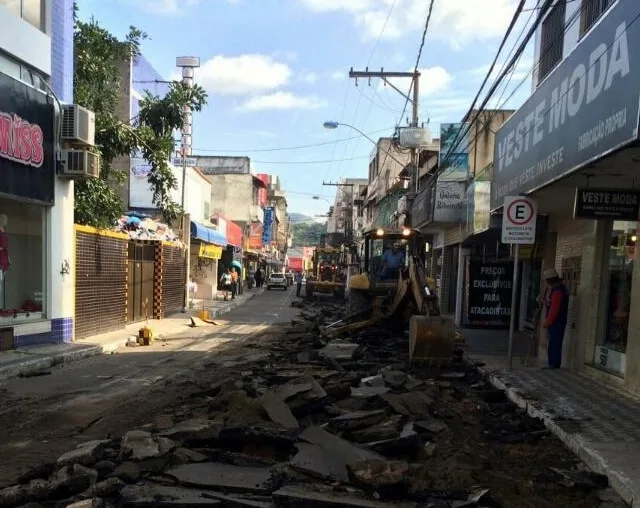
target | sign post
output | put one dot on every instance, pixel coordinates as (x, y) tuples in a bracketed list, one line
[(518, 227)]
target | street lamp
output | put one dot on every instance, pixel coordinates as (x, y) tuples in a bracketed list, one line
[(335, 125)]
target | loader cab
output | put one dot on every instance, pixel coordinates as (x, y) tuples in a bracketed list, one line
[(376, 242)]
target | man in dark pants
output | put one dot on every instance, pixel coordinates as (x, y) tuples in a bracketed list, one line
[(298, 283), (557, 307)]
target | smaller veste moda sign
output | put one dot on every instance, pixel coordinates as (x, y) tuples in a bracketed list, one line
[(615, 204), (489, 293)]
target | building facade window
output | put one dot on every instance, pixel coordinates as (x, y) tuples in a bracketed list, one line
[(620, 237), (32, 11), (22, 262), (551, 40), (590, 12)]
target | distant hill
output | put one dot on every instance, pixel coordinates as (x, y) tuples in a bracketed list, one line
[(306, 230)]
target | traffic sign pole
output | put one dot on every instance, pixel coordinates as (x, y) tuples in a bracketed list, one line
[(518, 227), (512, 316)]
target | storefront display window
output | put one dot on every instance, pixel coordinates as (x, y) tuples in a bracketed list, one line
[(610, 353), (21, 262)]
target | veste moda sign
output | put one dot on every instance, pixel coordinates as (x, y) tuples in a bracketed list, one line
[(27, 162), (586, 108)]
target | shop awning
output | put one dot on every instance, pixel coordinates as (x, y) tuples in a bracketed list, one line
[(249, 252), (208, 235)]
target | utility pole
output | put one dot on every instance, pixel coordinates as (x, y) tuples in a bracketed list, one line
[(188, 64), (415, 86)]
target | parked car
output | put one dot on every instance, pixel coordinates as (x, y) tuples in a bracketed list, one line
[(277, 280)]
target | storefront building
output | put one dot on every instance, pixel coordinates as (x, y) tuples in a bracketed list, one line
[(36, 206), (573, 147), (207, 248)]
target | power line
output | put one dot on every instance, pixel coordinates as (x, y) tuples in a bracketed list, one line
[(558, 40), (287, 148), (420, 48), (458, 138), (415, 70), (313, 162), (497, 82)]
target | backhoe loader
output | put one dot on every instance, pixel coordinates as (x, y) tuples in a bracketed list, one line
[(407, 297)]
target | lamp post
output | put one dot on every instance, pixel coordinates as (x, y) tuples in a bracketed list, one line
[(335, 125)]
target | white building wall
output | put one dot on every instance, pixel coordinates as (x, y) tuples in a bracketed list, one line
[(60, 243), (23, 46), (25, 42)]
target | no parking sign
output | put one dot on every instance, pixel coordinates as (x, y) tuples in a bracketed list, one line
[(519, 220)]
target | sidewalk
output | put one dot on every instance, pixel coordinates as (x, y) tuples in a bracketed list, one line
[(600, 424), (30, 360)]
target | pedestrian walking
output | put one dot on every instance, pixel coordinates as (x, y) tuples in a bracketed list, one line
[(225, 283), (259, 277), (234, 283), (298, 283), (557, 311)]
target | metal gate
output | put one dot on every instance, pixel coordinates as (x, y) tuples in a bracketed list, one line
[(140, 286)]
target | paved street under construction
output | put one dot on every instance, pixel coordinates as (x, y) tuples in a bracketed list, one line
[(260, 411)]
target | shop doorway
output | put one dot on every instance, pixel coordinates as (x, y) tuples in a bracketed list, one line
[(620, 247), (451, 272), (531, 276), (141, 266)]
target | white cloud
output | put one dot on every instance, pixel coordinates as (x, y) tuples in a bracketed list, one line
[(432, 80), (281, 100), (243, 74), (338, 75), (456, 21), (172, 7), (308, 77), (522, 70)]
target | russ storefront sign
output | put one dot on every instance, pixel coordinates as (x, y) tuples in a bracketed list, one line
[(27, 161)]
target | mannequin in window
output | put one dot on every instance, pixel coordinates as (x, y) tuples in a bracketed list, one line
[(4, 255)]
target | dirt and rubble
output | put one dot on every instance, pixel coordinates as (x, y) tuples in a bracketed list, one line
[(299, 421)]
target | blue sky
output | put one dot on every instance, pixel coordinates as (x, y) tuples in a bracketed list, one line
[(275, 70)]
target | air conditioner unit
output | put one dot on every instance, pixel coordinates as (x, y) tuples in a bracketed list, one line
[(80, 165), (78, 125)]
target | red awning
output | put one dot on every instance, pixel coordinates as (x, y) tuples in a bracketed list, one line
[(234, 234)]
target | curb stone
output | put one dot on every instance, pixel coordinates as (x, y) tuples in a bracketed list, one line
[(82, 353), (579, 446)]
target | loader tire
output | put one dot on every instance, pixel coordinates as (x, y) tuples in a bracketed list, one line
[(358, 302)]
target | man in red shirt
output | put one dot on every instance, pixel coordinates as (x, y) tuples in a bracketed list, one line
[(557, 307)]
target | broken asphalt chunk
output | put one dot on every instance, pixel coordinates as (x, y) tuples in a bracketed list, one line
[(159, 496), (357, 420), (394, 378), (407, 442), (279, 411), (430, 425), (387, 429), (330, 455), (304, 496), (198, 429), (368, 392), (215, 475), (415, 404), (339, 350), (85, 454), (141, 445)]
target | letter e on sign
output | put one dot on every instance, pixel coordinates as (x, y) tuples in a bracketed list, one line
[(519, 220)]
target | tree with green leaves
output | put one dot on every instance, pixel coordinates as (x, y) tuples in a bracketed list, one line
[(99, 56)]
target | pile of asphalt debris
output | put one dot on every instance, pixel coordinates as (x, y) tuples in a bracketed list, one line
[(304, 422)]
